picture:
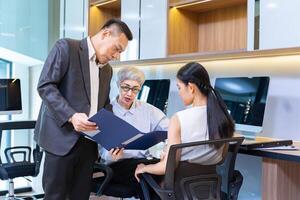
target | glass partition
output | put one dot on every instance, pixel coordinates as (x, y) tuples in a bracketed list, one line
[(28, 29)]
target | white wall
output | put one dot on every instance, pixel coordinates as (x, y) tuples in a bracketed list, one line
[(130, 14), (250, 24), (279, 23), (279, 28), (73, 18), (153, 43), (147, 19), (283, 108), (35, 100)]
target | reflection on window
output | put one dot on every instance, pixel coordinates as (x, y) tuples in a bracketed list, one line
[(5, 70), (156, 93), (145, 93)]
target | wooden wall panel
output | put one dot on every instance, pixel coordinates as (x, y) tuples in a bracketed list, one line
[(98, 16), (92, 1), (223, 29), (280, 180), (203, 5), (182, 32), (113, 4), (181, 1)]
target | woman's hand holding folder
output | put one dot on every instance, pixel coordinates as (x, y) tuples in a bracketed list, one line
[(116, 153)]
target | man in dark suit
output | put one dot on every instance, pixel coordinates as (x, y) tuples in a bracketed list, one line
[(74, 84)]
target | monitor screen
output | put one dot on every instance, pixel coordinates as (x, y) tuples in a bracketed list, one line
[(10, 96), (156, 92), (245, 98)]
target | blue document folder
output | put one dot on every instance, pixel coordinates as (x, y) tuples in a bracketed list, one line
[(115, 132)]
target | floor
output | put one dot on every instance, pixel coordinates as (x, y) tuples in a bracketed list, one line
[(92, 197), (102, 198), (107, 198)]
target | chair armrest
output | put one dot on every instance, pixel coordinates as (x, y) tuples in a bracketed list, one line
[(108, 176), (37, 158), (147, 178), (3, 172), (145, 188)]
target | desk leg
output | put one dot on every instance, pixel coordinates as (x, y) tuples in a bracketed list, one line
[(280, 180)]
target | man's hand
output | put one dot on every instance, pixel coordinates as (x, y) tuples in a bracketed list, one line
[(116, 153), (81, 123)]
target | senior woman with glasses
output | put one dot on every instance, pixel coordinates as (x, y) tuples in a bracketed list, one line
[(142, 116)]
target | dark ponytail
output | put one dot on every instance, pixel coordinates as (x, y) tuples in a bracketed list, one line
[(220, 123)]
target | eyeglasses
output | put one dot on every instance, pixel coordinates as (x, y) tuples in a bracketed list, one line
[(135, 90)]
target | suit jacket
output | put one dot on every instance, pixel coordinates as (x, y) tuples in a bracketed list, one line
[(64, 87)]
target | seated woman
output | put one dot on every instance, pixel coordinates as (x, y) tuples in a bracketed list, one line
[(206, 119), (142, 116)]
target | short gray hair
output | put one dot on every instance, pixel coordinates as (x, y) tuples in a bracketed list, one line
[(130, 73)]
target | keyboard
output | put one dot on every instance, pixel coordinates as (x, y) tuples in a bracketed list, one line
[(250, 145)]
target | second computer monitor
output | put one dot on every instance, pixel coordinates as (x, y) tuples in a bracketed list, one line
[(10, 97), (245, 98)]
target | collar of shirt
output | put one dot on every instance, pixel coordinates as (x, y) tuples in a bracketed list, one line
[(117, 107), (92, 53)]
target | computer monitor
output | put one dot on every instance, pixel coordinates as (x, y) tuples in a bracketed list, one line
[(156, 92), (10, 96), (245, 98)]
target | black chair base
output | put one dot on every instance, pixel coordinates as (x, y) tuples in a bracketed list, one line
[(114, 189)]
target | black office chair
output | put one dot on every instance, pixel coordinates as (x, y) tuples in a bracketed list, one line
[(195, 181), (232, 179), (19, 162), (104, 185)]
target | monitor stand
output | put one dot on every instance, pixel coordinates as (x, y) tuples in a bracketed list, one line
[(249, 135), (248, 131)]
